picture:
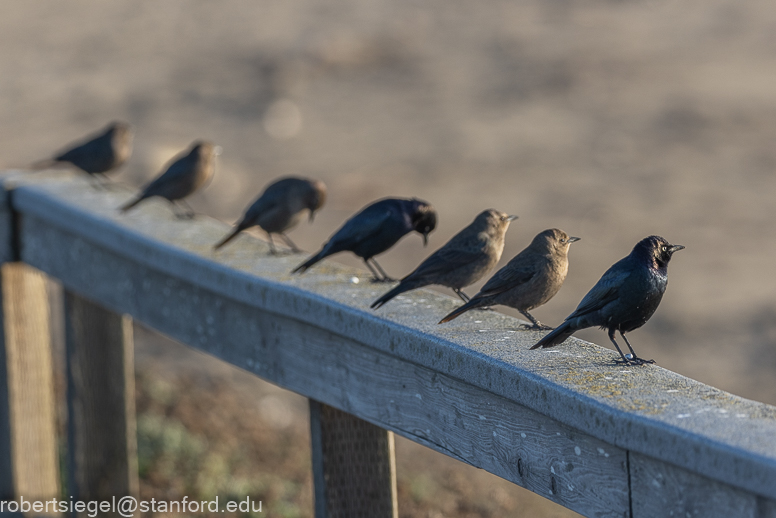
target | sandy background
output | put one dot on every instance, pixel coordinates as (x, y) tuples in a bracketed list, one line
[(612, 120)]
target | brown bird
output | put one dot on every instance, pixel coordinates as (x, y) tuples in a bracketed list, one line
[(97, 154), (185, 174), (529, 280), (280, 208), (462, 261)]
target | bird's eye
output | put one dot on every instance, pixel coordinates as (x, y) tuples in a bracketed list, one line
[(664, 248), (562, 240)]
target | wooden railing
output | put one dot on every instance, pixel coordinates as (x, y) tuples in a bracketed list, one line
[(567, 424)]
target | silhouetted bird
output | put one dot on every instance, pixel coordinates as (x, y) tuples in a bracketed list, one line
[(463, 260), (185, 174), (280, 208), (99, 153), (529, 280), (624, 298), (375, 229)]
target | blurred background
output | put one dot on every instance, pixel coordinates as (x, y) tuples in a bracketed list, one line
[(610, 119)]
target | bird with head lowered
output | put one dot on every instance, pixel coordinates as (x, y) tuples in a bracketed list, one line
[(375, 229)]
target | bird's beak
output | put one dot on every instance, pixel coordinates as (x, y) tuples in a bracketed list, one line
[(511, 218), (675, 248), (573, 239), (425, 239)]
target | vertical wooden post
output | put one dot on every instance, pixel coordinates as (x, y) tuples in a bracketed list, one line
[(101, 401), (354, 468), (29, 465)]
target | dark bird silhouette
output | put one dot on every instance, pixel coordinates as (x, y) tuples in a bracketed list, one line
[(463, 260), (529, 280), (375, 229), (624, 298), (98, 154), (280, 208), (185, 174)]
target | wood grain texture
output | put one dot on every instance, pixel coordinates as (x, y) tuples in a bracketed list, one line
[(101, 401), (354, 466), (29, 464), (446, 414), (660, 489)]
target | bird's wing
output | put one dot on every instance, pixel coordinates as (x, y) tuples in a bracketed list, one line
[(605, 291), (356, 229), (446, 260), (511, 275), (264, 205), (75, 154)]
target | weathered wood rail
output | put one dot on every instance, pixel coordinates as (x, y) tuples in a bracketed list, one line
[(566, 424)]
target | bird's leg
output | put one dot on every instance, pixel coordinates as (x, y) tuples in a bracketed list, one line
[(188, 211), (536, 324), (272, 249), (290, 243), (375, 276), (97, 181), (464, 297), (624, 361), (639, 361), (385, 277)]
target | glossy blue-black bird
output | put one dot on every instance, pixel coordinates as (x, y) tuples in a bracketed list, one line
[(375, 229), (625, 297)]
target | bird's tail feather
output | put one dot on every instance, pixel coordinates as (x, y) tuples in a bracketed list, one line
[(308, 263), (126, 207), (46, 163), (473, 303), (229, 237), (398, 290), (557, 337)]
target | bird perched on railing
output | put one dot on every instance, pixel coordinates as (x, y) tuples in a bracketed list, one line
[(185, 174), (98, 154), (375, 229), (529, 280), (280, 208), (462, 261), (625, 297)]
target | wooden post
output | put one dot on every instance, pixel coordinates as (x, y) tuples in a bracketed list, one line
[(101, 401), (29, 465), (354, 468)]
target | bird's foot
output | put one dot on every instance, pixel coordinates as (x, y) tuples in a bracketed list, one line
[(633, 360), (382, 279), (286, 251), (536, 327)]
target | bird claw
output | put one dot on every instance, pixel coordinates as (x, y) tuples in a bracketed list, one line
[(633, 361), (536, 327), (382, 280), (279, 253)]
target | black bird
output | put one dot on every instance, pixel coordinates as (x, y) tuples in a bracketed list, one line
[(280, 208), (98, 154), (185, 173), (625, 297), (462, 261), (375, 229), (529, 280)]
